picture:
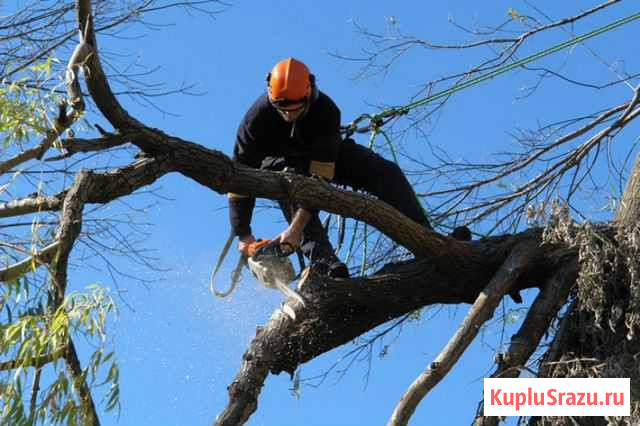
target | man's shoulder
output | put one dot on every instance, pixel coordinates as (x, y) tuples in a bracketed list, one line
[(260, 104), (324, 99), (325, 105), (258, 110)]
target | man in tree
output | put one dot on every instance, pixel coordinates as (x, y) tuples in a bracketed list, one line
[(297, 127)]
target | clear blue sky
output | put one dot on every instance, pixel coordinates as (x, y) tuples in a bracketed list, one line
[(178, 347)]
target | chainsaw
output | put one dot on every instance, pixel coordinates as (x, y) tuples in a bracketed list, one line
[(269, 262)]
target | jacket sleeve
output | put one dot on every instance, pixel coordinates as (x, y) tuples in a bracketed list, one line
[(326, 143), (247, 152)]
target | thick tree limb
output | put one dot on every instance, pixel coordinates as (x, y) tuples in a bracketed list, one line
[(97, 80), (70, 226), (524, 343), (481, 311), (629, 211), (340, 310), (214, 169), (105, 187)]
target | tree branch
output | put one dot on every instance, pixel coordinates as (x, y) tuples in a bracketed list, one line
[(64, 120), (97, 80), (70, 226), (76, 145), (481, 311), (62, 123), (340, 310), (73, 363), (14, 271), (34, 395), (105, 187), (544, 309)]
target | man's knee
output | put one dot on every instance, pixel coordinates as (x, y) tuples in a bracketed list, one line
[(385, 175), (391, 169)]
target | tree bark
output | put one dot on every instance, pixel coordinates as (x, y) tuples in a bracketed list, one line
[(340, 310), (629, 210), (612, 343)]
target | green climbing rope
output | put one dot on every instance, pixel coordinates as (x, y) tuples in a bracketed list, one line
[(377, 120)]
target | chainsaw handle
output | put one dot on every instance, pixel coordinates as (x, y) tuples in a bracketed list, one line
[(281, 249), (253, 247)]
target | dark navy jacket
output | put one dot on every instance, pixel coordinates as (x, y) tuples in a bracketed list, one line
[(313, 140)]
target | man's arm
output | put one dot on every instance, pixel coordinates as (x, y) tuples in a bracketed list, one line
[(324, 153), (293, 234), (246, 151), (326, 141)]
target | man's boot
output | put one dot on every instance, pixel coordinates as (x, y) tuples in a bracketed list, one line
[(461, 233), (324, 261)]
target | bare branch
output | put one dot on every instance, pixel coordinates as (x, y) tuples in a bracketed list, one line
[(544, 309), (76, 145), (16, 270), (397, 46), (555, 169), (30, 205), (62, 123), (106, 187), (70, 226), (481, 311)]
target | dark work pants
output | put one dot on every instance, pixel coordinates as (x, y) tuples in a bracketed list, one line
[(361, 169)]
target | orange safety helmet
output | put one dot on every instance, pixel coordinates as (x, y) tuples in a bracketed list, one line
[(289, 82)]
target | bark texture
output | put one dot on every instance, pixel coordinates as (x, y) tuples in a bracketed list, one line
[(603, 343), (340, 310)]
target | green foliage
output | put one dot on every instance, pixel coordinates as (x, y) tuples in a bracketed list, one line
[(24, 107), (35, 334), (21, 115)]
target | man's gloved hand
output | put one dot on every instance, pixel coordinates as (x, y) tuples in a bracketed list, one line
[(243, 244), (292, 236)]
